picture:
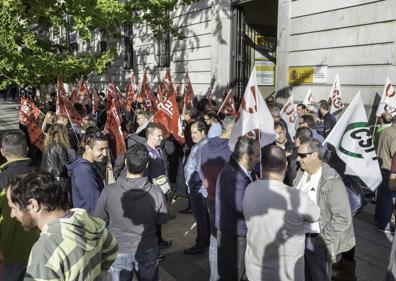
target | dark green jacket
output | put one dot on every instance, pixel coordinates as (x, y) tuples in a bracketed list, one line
[(15, 242)]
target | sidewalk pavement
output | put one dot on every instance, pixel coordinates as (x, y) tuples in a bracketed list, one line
[(372, 248)]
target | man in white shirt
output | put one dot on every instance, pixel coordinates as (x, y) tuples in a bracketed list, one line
[(275, 214), (333, 234)]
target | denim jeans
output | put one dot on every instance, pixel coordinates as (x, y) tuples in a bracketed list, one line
[(144, 263), (385, 202), (14, 271)]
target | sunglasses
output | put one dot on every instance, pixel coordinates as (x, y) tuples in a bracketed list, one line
[(303, 155)]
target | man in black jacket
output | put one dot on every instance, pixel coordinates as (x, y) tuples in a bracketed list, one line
[(15, 242), (132, 207), (328, 120)]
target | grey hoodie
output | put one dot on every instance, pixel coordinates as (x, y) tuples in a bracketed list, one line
[(131, 209)]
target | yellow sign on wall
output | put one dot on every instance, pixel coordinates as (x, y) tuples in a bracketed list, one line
[(307, 74)]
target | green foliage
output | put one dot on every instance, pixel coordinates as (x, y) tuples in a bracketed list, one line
[(28, 55)]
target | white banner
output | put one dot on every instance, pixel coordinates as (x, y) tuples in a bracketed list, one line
[(336, 96), (388, 100), (253, 114), (289, 115), (354, 145)]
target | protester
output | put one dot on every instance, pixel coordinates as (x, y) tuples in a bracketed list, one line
[(333, 234), (391, 269), (301, 110), (230, 223), (156, 170), (385, 121), (132, 207), (15, 242), (49, 121), (214, 155), (54, 160), (213, 124), (72, 245), (189, 119), (288, 146), (309, 122), (275, 214), (197, 193), (87, 182), (57, 133), (328, 119), (385, 198)]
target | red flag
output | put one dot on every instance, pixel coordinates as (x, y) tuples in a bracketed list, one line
[(64, 107), (168, 116), (145, 96), (132, 92), (188, 94), (113, 94), (113, 127), (28, 111), (74, 96), (83, 93), (28, 115), (95, 101), (168, 84), (228, 105), (36, 135)]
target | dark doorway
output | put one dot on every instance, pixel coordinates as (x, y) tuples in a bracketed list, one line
[(254, 34)]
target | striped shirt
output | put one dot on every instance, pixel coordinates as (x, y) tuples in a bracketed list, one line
[(74, 248)]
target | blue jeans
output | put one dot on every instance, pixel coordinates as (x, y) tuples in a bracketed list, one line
[(144, 263), (14, 271), (384, 205)]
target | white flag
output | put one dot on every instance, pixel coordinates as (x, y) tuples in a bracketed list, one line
[(308, 98), (289, 115), (253, 114), (354, 145), (388, 100), (336, 96)]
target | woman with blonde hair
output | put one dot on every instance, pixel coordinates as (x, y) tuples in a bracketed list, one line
[(58, 134)]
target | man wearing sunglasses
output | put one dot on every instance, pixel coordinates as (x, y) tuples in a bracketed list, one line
[(333, 234)]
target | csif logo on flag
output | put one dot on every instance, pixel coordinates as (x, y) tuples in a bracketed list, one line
[(359, 133)]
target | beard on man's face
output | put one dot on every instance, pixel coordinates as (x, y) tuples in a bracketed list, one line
[(27, 222)]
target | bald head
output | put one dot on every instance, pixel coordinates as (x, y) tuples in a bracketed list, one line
[(273, 160)]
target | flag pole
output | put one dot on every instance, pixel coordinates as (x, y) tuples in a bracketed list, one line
[(221, 107), (375, 125), (71, 123)]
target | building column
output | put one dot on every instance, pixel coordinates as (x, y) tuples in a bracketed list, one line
[(221, 44), (282, 49)]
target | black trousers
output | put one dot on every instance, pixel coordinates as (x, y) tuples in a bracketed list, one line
[(200, 212), (231, 257)]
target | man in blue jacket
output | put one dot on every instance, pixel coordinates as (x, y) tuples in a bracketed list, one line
[(229, 220), (87, 182)]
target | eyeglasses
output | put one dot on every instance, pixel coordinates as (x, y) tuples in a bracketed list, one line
[(303, 155)]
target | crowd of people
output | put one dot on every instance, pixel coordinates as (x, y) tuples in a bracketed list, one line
[(281, 212)]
